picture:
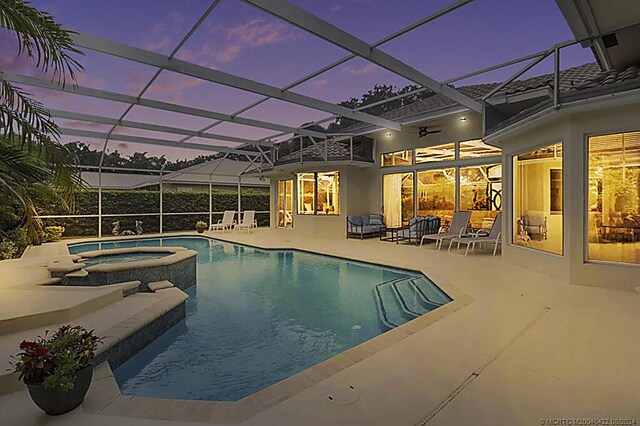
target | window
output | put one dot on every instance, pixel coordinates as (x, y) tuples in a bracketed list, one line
[(398, 158), (537, 199), (477, 148), (285, 203), (437, 193), (397, 198), (481, 193), (614, 198), (323, 187), (306, 193), (328, 194), (443, 152)]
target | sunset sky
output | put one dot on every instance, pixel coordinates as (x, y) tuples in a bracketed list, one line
[(239, 39)]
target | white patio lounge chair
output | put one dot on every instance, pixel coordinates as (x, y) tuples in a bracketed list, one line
[(248, 221), (227, 222), (482, 236), (459, 226)]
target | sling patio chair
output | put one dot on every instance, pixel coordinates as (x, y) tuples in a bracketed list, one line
[(459, 226), (227, 222), (248, 221)]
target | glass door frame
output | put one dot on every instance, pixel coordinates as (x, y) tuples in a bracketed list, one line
[(284, 204)]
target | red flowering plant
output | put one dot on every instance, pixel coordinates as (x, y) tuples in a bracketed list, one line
[(54, 361)]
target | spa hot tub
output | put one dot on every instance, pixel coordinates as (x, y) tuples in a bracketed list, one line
[(144, 264)]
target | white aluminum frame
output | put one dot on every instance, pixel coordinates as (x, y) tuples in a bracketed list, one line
[(299, 17)]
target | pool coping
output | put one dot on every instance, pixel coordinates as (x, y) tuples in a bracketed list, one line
[(105, 397)]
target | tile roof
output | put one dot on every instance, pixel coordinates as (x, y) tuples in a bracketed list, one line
[(609, 77), (572, 82), (334, 150), (604, 82), (575, 78)]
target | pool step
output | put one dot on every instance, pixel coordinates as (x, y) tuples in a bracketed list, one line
[(129, 288), (403, 299), (159, 285), (412, 299), (391, 311), (430, 292)]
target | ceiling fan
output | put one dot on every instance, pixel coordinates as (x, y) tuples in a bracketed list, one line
[(424, 131)]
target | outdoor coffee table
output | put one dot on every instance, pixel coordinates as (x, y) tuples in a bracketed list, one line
[(391, 235)]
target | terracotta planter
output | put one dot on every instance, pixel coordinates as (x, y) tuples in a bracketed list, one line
[(58, 401), (200, 230)]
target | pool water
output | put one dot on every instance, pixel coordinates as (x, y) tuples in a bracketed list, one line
[(122, 258), (259, 316)]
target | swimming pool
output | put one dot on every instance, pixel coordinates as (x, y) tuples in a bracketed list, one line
[(259, 316)]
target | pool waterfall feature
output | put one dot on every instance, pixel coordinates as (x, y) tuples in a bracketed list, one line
[(259, 316)]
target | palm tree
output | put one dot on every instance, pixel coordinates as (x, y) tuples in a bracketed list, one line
[(31, 155)]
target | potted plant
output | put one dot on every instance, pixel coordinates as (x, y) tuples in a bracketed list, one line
[(201, 226), (58, 369)]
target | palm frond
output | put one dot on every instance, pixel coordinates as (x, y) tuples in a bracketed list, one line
[(23, 116), (42, 38), (30, 155)]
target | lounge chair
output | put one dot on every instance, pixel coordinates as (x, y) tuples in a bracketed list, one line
[(459, 226), (482, 236), (227, 222), (248, 221)]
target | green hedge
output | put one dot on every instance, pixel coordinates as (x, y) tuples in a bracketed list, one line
[(132, 202)]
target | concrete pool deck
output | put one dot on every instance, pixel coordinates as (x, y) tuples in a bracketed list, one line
[(525, 348)]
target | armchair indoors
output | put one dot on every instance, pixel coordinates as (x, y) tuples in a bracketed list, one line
[(535, 224)]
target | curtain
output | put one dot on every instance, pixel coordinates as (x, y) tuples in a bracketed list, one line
[(392, 199)]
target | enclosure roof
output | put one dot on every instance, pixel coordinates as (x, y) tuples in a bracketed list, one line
[(113, 180), (175, 63), (221, 171)]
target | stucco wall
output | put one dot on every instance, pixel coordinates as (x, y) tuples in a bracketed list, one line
[(361, 187), (573, 128), (553, 132), (319, 226)]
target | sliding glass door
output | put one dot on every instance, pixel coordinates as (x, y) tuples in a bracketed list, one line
[(481, 193), (285, 203), (437, 193)]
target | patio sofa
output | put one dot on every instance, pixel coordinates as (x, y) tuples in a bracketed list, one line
[(366, 225), (418, 227)]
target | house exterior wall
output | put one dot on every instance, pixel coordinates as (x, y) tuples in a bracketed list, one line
[(553, 264), (573, 128), (353, 184), (453, 130), (361, 188)]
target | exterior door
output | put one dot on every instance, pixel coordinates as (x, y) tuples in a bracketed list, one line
[(285, 203)]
